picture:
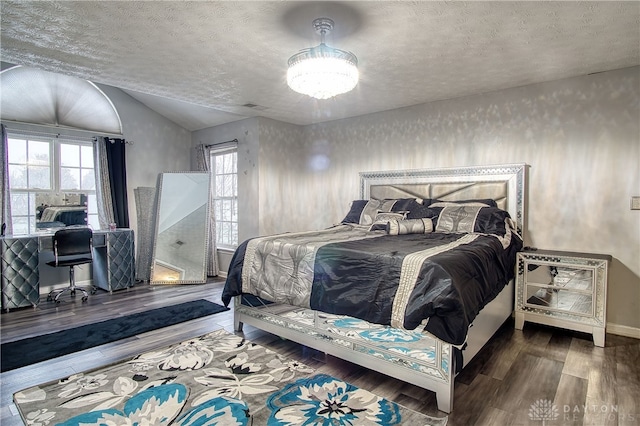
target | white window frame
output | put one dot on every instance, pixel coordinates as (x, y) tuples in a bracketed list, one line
[(55, 166), (226, 228)]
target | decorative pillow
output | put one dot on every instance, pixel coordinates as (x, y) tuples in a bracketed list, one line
[(472, 218), (415, 209), (409, 226), (381, 220), (429, 202), (355, 211), (363, 212)]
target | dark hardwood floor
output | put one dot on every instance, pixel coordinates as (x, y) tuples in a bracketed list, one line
[(515, 371)]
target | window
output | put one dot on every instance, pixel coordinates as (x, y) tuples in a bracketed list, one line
[(224, 175), (49, 170)]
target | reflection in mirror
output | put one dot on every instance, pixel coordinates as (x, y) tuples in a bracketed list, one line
[(181, 229), (560, 288), (56, 210)]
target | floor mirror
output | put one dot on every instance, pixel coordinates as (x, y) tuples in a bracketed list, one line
[(181, 229)]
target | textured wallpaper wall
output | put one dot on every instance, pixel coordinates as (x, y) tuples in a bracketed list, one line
[(581, 137), (159, 145)]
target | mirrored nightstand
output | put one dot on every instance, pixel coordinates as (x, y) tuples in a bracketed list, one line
[(563, 289)]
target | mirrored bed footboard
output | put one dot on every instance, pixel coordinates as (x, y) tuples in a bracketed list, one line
[(410, 356)]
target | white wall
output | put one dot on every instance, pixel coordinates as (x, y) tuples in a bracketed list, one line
[(159, 145), (581, 137)]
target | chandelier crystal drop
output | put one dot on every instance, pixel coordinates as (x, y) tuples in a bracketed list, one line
[(323, 72)]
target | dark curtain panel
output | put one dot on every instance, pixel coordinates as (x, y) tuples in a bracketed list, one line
[(5, 199), (118, 176)]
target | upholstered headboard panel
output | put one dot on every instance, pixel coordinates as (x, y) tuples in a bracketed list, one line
[(505, 183), (444, 191)]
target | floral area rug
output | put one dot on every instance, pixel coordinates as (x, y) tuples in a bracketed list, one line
[(216, 379)]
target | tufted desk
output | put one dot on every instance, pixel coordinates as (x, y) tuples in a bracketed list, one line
[(112, 268)]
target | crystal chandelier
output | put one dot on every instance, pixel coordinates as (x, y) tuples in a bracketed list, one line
[(322, 72)]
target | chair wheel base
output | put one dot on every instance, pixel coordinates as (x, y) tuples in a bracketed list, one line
[(57, 294)]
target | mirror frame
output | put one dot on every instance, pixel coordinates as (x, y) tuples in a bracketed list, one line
[(205, 230)]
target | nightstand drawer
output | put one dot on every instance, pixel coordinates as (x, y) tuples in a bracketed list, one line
[(560, 288)]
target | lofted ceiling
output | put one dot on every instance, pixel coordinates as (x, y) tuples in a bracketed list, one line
[(206, 63)]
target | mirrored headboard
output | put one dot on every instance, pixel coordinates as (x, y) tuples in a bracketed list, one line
[(507, 184)]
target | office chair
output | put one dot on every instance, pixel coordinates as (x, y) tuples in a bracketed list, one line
[(71, 246)]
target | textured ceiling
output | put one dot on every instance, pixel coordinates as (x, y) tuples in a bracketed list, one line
[(200, 63)]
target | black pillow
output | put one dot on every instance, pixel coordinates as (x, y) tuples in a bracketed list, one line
[(491, 221), (355, 211), (363, 212), (415, 209)]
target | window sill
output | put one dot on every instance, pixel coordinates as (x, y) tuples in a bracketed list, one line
[(226, 249)]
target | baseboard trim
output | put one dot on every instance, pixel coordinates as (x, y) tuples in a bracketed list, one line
[(623, 330)]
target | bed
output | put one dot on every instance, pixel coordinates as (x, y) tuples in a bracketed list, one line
[(412, 283)]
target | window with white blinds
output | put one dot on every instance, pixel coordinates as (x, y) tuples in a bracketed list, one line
[(43, 166), (224, 175)]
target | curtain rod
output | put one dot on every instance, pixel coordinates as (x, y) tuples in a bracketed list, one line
[(220, 143), (114, 140), (23, 126), (48, 135)]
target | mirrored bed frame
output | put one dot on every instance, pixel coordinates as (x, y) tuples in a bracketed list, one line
[(422, 359)]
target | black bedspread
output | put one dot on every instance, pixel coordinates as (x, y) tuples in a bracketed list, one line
[(447, 279)]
